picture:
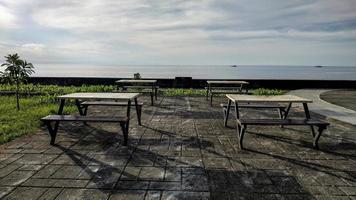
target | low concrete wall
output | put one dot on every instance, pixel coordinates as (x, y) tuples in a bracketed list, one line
[(187, 82)]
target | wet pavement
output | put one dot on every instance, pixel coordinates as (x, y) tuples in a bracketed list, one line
[(182, 151)]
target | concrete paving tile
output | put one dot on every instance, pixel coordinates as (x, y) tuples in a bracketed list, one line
[(176, 195), (31, 167), (47, 171), (28, 193), (152, 173), (67, 172), (70, 183), (349, 190), (35, 159), (16, 178), (50, 194), (153, 195), (87, 194), (132, 185), (5, 190), (128, 195), (39, 182), (4, 171)]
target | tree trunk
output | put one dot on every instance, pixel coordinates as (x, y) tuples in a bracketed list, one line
[(17, 96)]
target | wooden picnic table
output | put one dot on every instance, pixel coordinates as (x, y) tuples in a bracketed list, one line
[(78, 97), (125, 84), (289, 99), (223, 87)]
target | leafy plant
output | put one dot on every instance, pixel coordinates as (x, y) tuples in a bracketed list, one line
[(267, 92), (16, 72)]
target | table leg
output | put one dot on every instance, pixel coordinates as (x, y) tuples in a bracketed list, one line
[(77, 103), (307, 116), (128, 122), (237, 114), (226, 113), (61, 106), (207, 92), (156, 91), (60, 111), (138, 112), (286, 112)]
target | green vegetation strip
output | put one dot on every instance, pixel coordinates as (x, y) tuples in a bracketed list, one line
[(15, 123)]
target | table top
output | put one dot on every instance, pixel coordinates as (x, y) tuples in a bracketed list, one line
[(277, 98), (100, 96), (227, 82), (136, 81)]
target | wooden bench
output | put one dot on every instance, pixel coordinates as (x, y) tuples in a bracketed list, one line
[(282, 110), (243, 123), (123, 121), (153, 91), (86, 104), (224, 90)]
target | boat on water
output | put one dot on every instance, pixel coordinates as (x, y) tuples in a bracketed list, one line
[(319, 66), (234, 66)]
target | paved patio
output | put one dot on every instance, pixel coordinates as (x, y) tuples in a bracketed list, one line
[(182, 152)]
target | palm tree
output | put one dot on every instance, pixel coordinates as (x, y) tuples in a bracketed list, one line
[(16, 71)]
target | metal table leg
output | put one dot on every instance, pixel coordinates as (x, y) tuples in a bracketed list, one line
[(226, 116), (138, 112), (128, 122), (307, 116)]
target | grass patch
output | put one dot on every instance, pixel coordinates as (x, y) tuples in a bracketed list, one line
[(182, 92), (15, 123), (267, 92)]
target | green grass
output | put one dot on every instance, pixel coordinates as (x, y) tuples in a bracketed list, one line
[(15, 123), (182, 92), (267, 92)]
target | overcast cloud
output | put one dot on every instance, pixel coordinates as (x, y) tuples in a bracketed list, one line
[(299, 32)]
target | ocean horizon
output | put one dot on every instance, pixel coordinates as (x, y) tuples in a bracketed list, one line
[(283, 72)]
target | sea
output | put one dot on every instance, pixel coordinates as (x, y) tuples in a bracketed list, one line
[(259, 72)]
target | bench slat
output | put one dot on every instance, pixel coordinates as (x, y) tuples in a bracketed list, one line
[(254, 106), (84, 118), (139, 86), (107, 103), (272, 122)]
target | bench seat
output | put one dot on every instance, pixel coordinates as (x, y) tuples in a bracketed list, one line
[(140, 86), (272, 122), (123, 121), (84, 118), (224, 106), (107, 103), (144, 89), (282, 110), (322, 125), (86, 104)]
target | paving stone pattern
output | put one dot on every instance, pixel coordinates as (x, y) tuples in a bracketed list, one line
[(182, 151)]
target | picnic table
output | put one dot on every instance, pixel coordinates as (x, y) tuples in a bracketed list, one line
[(150, 86), (224, 87), (242, 123), (78, 97)]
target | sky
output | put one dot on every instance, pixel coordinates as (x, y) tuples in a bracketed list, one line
[(182, 32)]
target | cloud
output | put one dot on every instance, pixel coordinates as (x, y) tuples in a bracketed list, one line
[(131, 31), (7, 18)]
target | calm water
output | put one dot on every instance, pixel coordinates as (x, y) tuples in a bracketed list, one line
[(199, 71)]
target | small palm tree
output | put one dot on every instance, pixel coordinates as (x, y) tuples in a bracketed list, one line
[(16, 71)]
